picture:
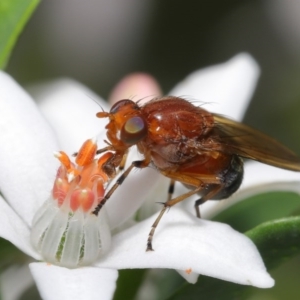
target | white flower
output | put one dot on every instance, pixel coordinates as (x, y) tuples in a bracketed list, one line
[(28, 172)]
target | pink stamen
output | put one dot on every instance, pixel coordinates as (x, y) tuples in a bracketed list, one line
[(60, 190), (83, 198)]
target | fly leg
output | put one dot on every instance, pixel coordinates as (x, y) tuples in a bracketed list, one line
[(171, 189), (154, 225), (167, 205), (229, 182), (123, 162), (198, 184), (206, 197), (135, 164)]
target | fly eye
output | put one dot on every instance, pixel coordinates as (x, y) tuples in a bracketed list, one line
[(134, 130)]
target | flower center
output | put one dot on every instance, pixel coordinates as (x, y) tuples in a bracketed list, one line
[(64, 230)]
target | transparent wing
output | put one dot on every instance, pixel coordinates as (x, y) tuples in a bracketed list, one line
[(233, 137)]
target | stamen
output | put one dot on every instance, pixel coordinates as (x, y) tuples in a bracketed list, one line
[(83, 198), (60, 189), (86, 153), (63, 158)]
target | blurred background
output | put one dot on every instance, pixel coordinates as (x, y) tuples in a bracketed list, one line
[(98, 42)]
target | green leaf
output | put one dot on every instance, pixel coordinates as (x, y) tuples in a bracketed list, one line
[(9, 254), (14, 14), (212, 289), (255, 210), (31, 293), (277, 242), (128, 283)]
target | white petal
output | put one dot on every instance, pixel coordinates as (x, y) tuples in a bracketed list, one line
[(27, 143), (74, 284), (13, 229), (71, 110), (225, 88), (14, 281), (259, 178), (262, 174), (190, 244)]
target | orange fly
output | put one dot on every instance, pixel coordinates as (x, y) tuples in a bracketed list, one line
[(185, 143)]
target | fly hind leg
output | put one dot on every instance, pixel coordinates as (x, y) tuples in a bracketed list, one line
[(198, 184), (171, 189), (229, 183), (206, 197)]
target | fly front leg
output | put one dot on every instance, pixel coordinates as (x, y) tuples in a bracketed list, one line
[(117, 160), (123, 162), (135, 164)]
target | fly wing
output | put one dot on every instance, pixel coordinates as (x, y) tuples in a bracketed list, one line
[(233, 137)]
